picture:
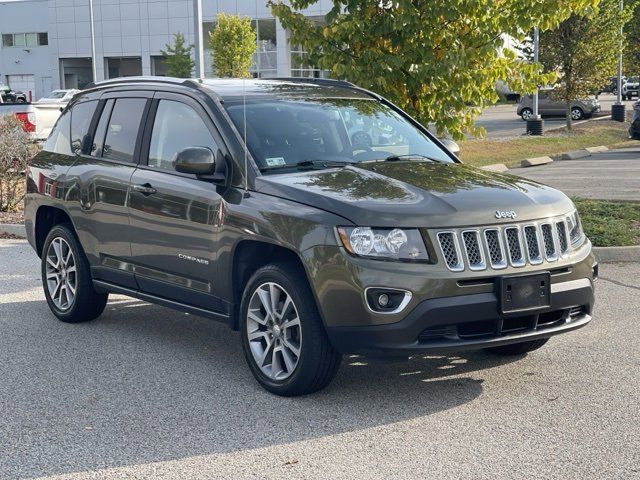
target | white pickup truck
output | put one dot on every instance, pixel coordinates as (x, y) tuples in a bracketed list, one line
[(37, 118)]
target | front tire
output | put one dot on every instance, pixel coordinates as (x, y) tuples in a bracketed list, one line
[(526, 114), (577, 113), (518, 348), (283, 337), (66, 278)]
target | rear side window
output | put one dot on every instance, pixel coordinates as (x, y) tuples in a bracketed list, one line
[(81, 115), (101, 129), (177, 126), (59, 138), (122, 130)]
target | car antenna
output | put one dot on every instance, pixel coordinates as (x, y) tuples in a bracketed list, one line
[(244, 133)]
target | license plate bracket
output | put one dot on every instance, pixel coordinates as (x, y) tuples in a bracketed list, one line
[(525, 293)]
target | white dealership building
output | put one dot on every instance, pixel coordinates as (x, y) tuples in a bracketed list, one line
[(46, 44)]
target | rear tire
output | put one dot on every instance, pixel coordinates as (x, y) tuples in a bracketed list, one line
[(518, 348), (577, 113), (66, 278), (526, 114), (270, 341)]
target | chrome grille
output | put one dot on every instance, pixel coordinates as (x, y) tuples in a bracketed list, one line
[(514, 246), (449, 248), (549, 243), (533, 244), (472, 248), (496, 247), (562, 237)]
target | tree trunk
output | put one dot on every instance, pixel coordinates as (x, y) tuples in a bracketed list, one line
[(569, 119)]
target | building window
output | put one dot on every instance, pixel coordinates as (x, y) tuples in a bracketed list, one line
[(159, 66), (300, 66), (31, 39), (265, 60)]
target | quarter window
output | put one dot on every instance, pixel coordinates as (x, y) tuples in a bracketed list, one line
[(177, 126), (122, 132), (58, 141), (81, 116)]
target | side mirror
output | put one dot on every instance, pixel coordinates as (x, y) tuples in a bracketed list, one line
[(195, 160), (450, 145)]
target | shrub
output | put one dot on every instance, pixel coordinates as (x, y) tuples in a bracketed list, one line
[(16, 150)]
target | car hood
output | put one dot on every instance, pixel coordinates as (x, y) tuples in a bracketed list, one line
[(417, 194)]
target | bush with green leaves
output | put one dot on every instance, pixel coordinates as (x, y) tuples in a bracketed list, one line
[(232, 43), (16, 150), (178, 57)]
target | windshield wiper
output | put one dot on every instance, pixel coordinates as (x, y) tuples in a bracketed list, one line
[(311, 163), (410, 156)]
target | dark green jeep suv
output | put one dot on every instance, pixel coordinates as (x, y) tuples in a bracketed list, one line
[(314, 217)]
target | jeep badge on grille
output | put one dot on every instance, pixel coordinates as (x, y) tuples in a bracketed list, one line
[(506, 214)]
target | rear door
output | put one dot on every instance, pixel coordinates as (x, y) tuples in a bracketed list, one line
[(175, 216), (105, 162)]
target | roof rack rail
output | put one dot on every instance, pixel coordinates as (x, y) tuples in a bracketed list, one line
[(138, 79), (318, 81)]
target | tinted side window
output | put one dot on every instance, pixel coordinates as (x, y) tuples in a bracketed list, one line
[(59, 139), (101, 129), (81, 115), (176, 127), (122, 131)]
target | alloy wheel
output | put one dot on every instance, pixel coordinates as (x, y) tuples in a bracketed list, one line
[(61, 274), (527, 114), (576, 114), (273, 331)]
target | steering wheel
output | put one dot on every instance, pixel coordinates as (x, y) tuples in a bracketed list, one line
[(361, 140)]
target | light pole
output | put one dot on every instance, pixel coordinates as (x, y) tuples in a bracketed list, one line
[(618, 111), (199, 42), (535, 124), (94, 68)]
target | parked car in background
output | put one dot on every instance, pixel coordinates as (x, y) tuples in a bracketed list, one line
[(58, 96), (631, 88), (548, 106), (634, 129), (24, 112), (12, 96)]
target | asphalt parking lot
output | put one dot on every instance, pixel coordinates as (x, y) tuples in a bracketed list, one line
[(584, 177), (145, 392)]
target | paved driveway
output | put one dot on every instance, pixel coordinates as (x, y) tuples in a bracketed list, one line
[(614, 175), (145, 392)]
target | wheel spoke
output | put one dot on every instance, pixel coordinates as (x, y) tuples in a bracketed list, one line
[(258, 334), (276, 368), (67, 293), (71, 269), (274, 293), (51, 275), (290, 346), (266, 301), (265, 354), (253, 316), (57, 249), (68, 257), (286, 307), (293, 322), (288, 361), (52, 263)]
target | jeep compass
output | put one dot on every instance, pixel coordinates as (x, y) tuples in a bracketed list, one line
[(313, 216)]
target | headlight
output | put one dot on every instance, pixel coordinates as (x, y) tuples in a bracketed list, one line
[(575, 228), (384, 243)]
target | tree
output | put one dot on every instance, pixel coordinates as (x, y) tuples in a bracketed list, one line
[(178, 57), (583, 50), (631, 60), (433, 59), (233, 42)]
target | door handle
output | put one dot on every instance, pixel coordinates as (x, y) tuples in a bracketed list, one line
[(144, 189)]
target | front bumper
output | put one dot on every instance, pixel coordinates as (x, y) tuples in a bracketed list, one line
[(468, 322)]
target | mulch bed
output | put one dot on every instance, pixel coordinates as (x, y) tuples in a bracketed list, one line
[(12, 217), (10, 236)]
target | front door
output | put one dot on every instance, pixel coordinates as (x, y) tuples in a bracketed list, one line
[(174, 216)]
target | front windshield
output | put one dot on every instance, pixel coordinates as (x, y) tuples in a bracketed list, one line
[(283, 133)]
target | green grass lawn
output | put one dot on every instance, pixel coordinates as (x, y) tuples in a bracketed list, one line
[(512, 151), (609, 223)]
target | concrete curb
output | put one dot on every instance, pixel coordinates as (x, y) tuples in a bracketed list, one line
[(495, 167), (532, 162), (574, 155), (13, 229), (598, 149), (617, 254)]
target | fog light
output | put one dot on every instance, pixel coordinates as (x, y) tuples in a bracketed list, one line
[(386, 300), (383, 300)]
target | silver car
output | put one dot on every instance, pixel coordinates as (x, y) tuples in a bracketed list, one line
[(548, 106)]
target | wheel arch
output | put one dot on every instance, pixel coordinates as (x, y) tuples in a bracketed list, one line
[(46, 218), (249, 256)]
